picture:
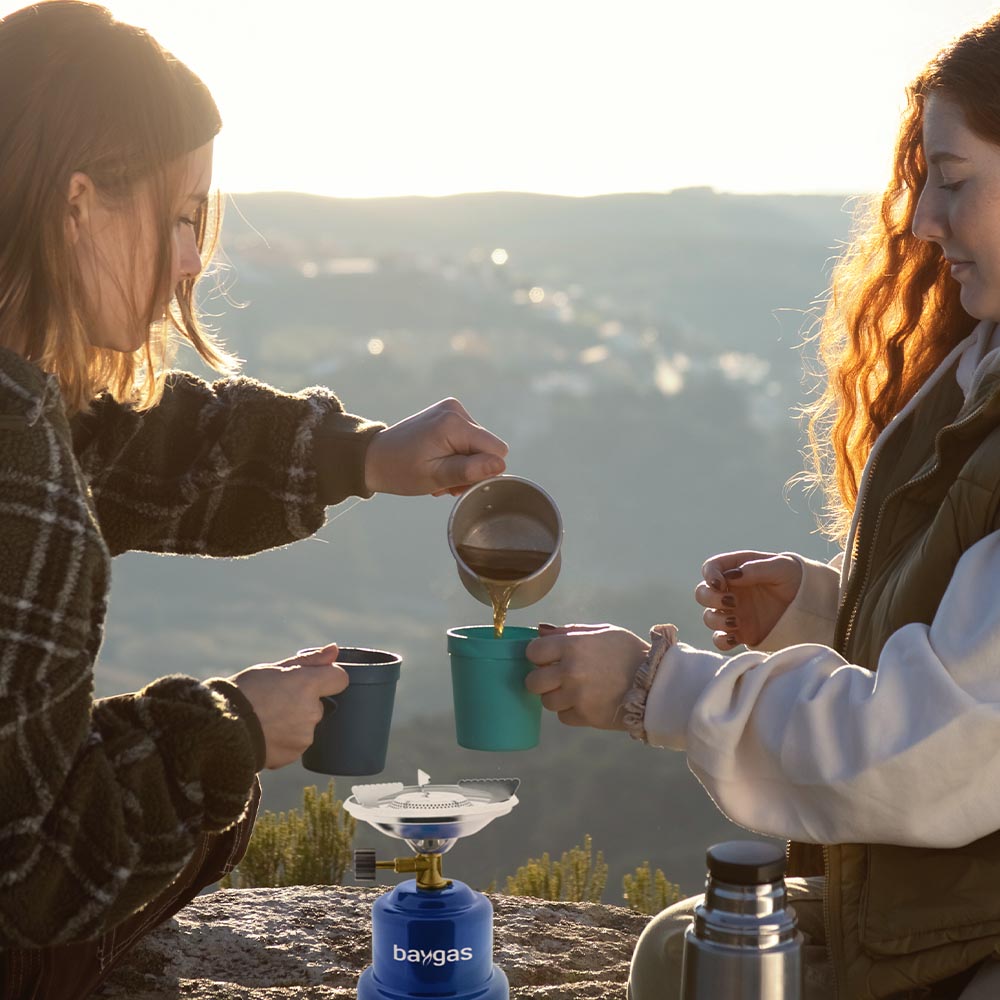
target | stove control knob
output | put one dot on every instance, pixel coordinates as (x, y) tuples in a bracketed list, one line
[(364, 866)]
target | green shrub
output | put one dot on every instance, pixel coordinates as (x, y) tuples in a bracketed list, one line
[(312, 847), (576, 877), (647, 892)]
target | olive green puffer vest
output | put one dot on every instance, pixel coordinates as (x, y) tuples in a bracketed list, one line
[(901, 918)]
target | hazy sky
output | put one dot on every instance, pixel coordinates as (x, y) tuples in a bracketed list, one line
[(385, 97)]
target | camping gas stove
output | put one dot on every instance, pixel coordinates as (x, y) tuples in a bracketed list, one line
[(431, 936)]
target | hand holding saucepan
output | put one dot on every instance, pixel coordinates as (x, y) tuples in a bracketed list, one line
[(439, 450)]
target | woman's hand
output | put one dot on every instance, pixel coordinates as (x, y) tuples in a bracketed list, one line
[(438, 450), (584, 672), (286, 699), (745, 593)]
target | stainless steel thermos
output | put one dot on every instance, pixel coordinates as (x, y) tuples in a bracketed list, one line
[(744, 942)]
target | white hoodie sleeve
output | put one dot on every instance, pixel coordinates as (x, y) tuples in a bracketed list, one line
[(801, 744), (812, 615)]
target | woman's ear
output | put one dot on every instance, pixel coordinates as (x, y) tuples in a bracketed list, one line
[(79, 206)]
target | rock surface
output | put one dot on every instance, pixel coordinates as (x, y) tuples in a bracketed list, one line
[(312, 943)]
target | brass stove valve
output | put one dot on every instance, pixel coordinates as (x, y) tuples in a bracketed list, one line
[(427, 868)]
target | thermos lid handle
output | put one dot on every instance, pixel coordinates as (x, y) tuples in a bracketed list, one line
[(746, 862)]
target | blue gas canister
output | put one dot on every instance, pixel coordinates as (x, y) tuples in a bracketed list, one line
[(432, 943)]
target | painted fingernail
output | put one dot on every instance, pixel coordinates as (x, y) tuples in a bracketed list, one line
[(728, 600), (731, 640), (733, 574), (716, 584), (546, 625), (732, 622)]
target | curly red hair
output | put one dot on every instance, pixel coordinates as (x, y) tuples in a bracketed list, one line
[(893, 311)]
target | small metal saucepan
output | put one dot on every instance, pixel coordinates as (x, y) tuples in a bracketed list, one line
[(512, 525)]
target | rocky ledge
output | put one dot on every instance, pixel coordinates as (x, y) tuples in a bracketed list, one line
[(312, 942)]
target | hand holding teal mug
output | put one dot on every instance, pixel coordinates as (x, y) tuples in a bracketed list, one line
[(493, 709)]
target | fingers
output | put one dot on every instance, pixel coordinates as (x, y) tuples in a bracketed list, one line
[(571, 717), (557, 695), (489, 443), (453, 405), (721, 615), (711, 597), (476, 453), (774, 570), (726, 642), (544, 650), (544, 680), (323, 676), (469, 437), (559, 700), (713, 571), (323, 654), (551, 644), (310, 656), (458, 472), (725, 626), (718, 589), (328, 679), (544, 628), (721, 621)]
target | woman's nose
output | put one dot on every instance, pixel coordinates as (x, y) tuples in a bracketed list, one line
[(930, 221), (189, 260)]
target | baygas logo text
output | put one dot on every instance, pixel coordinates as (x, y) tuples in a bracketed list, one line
[(433, 956)]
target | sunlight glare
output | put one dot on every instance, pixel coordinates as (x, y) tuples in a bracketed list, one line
[(388, 97)]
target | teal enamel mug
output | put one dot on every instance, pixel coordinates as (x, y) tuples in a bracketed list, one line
[(493, 709)]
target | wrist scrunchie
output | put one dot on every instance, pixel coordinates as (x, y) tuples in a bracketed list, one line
[(661, 637)]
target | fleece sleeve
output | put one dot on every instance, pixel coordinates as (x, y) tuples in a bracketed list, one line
[(103, 801), (226, 469), (801, 744)]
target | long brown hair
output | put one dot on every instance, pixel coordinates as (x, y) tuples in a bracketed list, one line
[(893, 312), (82, 92)]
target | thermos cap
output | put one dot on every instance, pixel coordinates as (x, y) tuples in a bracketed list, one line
[(746, 862)]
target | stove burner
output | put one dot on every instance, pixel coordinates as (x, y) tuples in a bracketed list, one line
[(429, 800), (431, 818)]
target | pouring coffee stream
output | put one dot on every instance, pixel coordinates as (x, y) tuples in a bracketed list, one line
[(501, 570)]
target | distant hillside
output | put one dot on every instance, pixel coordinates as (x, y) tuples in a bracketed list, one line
[(716, 265)]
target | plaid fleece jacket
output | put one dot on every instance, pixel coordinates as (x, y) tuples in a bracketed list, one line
[(102, 802)]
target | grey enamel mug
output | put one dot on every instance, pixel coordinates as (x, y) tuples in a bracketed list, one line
[(352, 738)]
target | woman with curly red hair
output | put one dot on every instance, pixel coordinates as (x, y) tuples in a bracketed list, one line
[(864, 723)]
